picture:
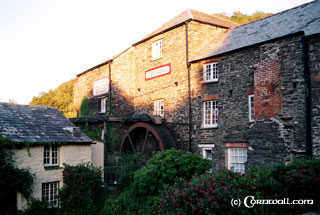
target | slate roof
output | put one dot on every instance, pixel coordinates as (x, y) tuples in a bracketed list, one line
[(194, 15), (304, 18), (38, 124)]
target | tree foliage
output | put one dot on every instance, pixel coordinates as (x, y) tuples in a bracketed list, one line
[(241, 18), (60, 98)]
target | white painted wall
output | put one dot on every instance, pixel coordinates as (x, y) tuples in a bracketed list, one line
[(69, 154), (97, 154)]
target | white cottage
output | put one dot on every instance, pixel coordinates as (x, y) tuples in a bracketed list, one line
[(53, 141)]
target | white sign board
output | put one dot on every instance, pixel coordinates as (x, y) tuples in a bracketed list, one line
[(101, 86), (159, 71)]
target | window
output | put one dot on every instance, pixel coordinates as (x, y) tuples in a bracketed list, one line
[(210, 114), (157, 50), (251, 108), (159, 107), (210, 72), (50, 156), (103, 105), (50, 193), (236, 159), (207, 152)]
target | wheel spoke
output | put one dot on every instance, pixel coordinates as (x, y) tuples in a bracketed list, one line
[(145, 141), (134, 150)]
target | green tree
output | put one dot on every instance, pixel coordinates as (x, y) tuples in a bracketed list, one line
[(241, 18), (60, 98)]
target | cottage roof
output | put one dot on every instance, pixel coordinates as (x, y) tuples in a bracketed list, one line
[(38, 124), (304, 18), (190, 14)]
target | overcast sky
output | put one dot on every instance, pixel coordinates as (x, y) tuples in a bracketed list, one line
[(44, 43)]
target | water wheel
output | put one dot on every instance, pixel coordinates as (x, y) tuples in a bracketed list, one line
[(148, 139)]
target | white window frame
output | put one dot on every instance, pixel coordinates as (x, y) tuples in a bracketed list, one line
[(210, 72), (237, 157), (49, 193), (210, 108), (51, 156), (157, 48), (251, 109), (158, 107), (205, 148), (103, 105)]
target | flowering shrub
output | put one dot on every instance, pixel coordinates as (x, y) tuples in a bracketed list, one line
[(205, 194), (212, 194), (299, 180), (82, 184)]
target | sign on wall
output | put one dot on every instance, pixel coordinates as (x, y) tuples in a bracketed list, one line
[(158, 71), (101, 86)]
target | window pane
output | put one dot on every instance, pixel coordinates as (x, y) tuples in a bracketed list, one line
[(46, 155), (54, 155), (238, 157)]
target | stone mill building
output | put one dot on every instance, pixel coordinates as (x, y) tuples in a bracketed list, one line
[(239, 95)]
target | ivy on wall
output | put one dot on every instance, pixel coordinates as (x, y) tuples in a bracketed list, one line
[(12, 179)]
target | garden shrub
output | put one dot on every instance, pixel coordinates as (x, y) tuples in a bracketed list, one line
[(212, 194), (82, 189), (38, 207), (161, 171), (299, 180), (165, 168), (205, 194)]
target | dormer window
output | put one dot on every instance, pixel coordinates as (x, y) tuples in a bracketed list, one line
[(210, 72), (157, 50)]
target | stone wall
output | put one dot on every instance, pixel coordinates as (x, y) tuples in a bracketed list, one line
[(69, 154), (132, 94), (278, 133), (314, 64), (122, 74)]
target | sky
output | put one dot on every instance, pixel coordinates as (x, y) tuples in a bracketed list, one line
[(44, 43)]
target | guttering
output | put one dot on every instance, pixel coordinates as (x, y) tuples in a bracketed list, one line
[(189, 86), (306, 70), (110, 96)]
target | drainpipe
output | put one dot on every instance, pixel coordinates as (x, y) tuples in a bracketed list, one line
[(189, 87), (110, 96), (305, 59)]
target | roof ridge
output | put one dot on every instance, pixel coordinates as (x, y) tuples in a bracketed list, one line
[(189, 13)]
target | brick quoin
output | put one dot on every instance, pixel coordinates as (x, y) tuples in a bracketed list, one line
[(316, 77), (267, 90)]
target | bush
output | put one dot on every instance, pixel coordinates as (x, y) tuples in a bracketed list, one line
[(161, 171), (165, 168), (212, 194), (81, 190), (37, 207), (205, 194)]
